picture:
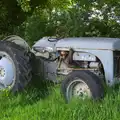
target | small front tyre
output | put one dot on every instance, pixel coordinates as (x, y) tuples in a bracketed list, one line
[(82, 85)]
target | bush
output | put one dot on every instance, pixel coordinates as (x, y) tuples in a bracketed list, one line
[(72, 22)]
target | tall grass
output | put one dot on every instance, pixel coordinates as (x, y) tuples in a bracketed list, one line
[(48, 104)]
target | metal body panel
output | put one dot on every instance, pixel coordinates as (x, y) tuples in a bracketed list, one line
[(106, 58), (83, 56), (89, 43), (99, 47), (44, 44), (48, 69)]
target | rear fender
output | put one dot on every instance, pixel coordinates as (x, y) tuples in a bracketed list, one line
[(18, 40)]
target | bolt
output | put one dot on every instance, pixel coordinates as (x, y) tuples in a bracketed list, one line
[(77, 91), (80, 89)]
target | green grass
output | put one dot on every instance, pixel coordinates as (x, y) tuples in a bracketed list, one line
[(39, 104)]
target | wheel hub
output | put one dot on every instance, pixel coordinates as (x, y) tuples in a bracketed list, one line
[(2, 72), (79, 88), (6, 72)]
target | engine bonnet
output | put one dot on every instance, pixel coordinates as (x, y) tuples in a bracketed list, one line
[(89, 43), (43, 44)]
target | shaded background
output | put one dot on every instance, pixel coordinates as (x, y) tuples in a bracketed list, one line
[(33, 19)]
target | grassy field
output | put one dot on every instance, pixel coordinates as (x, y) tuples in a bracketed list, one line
[(46, 103)]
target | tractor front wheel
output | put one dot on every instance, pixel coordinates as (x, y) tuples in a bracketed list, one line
[(82, 85)]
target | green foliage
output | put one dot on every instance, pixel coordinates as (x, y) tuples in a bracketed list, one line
[(31, 106), (14, 12), (87, 18), (36, 27), (33, 19), (29, 5), (25, 5)]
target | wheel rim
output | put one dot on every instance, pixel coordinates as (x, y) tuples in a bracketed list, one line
[(7, 71), (78, 89)]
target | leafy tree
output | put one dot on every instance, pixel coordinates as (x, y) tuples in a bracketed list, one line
[(14, 12), (37, 18)]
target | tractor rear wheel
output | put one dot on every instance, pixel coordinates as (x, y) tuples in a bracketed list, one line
[(15, 67)]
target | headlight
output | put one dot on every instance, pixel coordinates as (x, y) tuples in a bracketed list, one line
[(83, 56), (43, 49), (49, 49)]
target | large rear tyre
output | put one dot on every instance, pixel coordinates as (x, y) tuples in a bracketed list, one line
[(82, 85), (15, 67)]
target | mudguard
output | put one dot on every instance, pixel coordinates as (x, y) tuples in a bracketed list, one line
[(18, 40)]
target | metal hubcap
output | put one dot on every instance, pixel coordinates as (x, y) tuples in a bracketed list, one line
[(2, 72), (78, 89), (7, 71)]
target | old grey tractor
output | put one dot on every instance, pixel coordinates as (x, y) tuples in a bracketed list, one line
[(82, 65)]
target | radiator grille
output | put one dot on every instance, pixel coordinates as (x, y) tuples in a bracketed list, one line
[(117, 64)]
